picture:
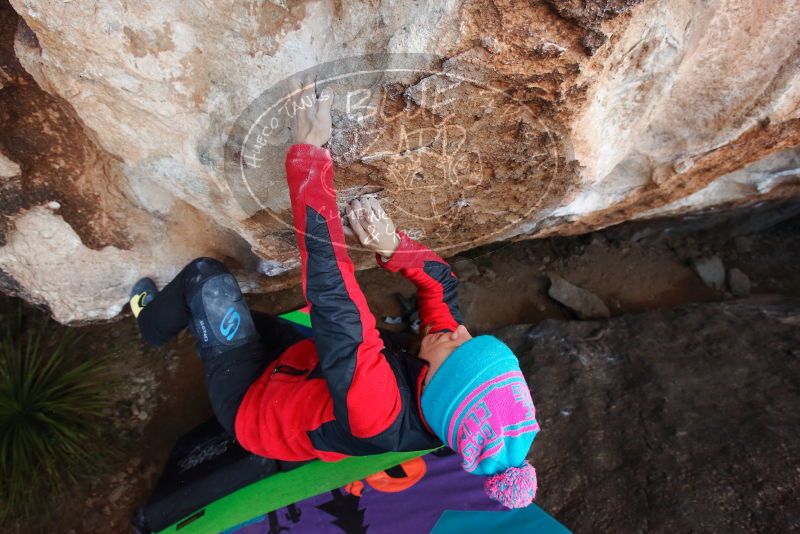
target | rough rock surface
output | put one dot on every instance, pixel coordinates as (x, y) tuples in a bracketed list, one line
[(541, 118), (681, 420)]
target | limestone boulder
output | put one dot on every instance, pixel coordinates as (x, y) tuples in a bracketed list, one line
[(144, 132)]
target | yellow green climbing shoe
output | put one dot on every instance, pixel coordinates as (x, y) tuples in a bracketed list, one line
[(143, 292)]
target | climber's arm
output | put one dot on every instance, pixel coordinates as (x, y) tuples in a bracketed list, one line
[(437, 286), (363, 387)]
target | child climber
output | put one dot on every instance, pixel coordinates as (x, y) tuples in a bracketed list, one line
[(346, 392)]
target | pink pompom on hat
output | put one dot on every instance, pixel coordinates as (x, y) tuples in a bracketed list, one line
[(479, 404), (513, 488)]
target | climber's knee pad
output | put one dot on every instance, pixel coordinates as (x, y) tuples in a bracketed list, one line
[(220, 316)]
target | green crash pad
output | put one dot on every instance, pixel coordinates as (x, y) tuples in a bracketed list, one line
[(283, 489)]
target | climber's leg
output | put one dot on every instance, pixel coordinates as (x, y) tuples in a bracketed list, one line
[(229, 375), (166, 315), (221, 319), (206, 297)]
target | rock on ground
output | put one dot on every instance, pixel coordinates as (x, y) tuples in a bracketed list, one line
[(711, 270), (599, 112), (465, 269), (585, 304), (680, 420), (738, 282), (8, 169)]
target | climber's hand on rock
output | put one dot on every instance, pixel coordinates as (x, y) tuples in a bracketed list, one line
[(311, 119), (365, 218)]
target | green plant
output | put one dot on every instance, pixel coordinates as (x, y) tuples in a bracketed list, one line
[(52, 400)]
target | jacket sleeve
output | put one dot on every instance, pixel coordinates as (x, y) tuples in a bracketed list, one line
[(366, 398), (437, 285)]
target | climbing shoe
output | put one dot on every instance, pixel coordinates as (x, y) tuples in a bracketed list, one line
[(143, 292)]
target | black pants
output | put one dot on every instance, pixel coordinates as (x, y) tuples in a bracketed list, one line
[(234, 344)]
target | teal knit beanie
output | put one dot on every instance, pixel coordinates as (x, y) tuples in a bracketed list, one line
[(479, 405)]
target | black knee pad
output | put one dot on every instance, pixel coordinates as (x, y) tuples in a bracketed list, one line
[(221, 318), (197, 272)]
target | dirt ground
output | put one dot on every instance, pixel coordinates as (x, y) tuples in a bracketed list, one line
[(633, 268), (676, 420)]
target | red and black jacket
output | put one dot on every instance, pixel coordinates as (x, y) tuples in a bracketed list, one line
[(344, 393)]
